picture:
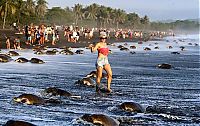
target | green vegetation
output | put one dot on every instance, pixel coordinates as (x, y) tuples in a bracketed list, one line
[(30, 11)]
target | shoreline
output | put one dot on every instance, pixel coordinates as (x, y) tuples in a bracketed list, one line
[(83, 42)]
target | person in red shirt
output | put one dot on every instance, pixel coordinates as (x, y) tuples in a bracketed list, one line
[(102, 61)]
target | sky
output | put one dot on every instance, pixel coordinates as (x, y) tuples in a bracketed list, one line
[(156, 10)]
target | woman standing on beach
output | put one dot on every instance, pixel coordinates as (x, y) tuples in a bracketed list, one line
[(102, 61), (42, 35), (53, 37), (8, 42)]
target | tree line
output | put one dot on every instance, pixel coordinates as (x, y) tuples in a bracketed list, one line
[(36, 11)]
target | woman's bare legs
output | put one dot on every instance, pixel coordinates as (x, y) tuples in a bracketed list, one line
[(99, 76), (108, 70)]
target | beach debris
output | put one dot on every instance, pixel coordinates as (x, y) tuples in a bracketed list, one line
[(55, 50), (39, 47), (175, 53), (147, 49), (170, 47), (181, 40), (100, 119), (132, 47), (124, 49), (132, 107), (21, 60), (18, 123), (12, 53), (182, 48), (86, 81), (53, 91), (66, 52), (120, 46), (132, 52), (5, 58), (51, 52), (39, 52), (37, 61), (31, 99), (93, 74), (79, 51), (164, 66)]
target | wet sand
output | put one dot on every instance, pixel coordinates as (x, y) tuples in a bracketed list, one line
[(170, 96)]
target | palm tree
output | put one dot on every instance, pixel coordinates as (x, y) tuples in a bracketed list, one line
[(133, 19), (145, 21), (6, 6), (101, 14), (109, 15), (21, 10), (104, 16), (92, 11), (41, 8), (77, 9), (30, 6), (98, 15), (120, 16)]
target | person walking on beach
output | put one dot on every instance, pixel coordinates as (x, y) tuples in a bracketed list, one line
[(8, 42), (102, 61), (53, 37), (42, 35)]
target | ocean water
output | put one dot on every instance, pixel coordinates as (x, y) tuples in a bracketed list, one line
[(171, 96)]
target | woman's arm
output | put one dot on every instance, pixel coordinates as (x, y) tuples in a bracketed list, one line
[(94, 48)]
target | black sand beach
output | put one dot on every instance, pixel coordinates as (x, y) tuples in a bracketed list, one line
[(62, 42)]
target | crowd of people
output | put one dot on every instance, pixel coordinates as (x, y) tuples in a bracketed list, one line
[(73, 33), (16, 43), (39, 35)]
